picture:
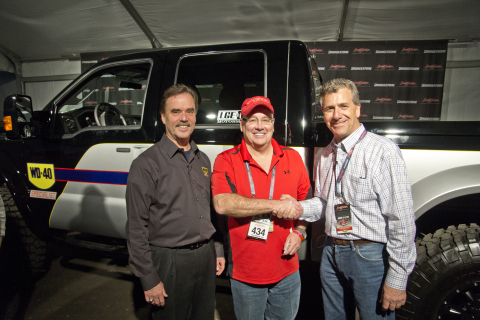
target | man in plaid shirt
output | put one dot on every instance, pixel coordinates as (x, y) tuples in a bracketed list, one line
[(363, 191)]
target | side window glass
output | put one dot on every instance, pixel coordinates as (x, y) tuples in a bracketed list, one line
[(112, 96), (223, 80)]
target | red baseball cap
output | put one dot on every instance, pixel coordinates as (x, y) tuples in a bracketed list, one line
[(253, 102)]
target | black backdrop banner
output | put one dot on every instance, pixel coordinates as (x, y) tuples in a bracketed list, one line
[(396, 80)]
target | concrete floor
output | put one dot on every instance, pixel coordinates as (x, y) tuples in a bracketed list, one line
[(81, 285)]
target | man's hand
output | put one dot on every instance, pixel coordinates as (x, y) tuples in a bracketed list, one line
[(289, 208), (220, 265), (292, 244), (392, 298), (156, 295)]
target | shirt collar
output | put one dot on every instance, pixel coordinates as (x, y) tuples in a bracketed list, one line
[(277, 150), (351, 140), (172, 148)]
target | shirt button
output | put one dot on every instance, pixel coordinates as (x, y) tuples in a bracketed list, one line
[(197, 199), (201, 217), (193, 182)]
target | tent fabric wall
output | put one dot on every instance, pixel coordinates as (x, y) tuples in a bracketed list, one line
[(6, 64), (43, 80), (43, 92), (8, 86), (461, 94), (50, 68)]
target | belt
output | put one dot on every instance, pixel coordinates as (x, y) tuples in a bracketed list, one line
[(193, 246), (342, 242)]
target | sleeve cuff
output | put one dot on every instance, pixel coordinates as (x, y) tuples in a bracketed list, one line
[(150, 281), (311, 207), (395, 280), (219, 249)]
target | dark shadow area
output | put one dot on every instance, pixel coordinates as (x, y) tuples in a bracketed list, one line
[(311, 305), (16, 290), (16, 283), (82, 285)]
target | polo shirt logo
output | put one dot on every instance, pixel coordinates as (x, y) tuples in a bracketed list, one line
[(205, 170), (288, 171)]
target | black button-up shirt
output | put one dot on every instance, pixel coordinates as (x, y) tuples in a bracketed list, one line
[(168, 204)]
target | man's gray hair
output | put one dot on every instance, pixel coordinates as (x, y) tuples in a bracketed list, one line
[(334, 85)]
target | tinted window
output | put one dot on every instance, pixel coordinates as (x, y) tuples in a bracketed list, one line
[(223, 81)]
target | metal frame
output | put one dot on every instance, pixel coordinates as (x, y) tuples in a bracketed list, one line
[(138, 19), (18, 68), (343, 18)]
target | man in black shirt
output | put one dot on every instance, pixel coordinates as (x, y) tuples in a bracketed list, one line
[(169, 226)]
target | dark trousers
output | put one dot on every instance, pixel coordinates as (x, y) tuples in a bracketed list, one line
[(188, 277)]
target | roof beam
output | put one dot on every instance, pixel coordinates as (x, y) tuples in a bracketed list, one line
[(343, 18), (15, 59), (138, 19)]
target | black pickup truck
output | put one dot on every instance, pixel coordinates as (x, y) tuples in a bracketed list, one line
[(63, 170)]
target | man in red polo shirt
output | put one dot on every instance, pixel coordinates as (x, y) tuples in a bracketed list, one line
[(255, 184)]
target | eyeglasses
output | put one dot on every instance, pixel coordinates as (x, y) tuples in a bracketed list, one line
[(254, 121)]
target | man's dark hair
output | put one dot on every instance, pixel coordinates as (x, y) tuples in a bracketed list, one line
[(177, 89), (334, 85)]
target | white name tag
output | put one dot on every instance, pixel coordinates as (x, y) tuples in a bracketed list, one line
[(258, 230)]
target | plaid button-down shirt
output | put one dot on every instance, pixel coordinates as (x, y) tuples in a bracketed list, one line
[(378, 190)]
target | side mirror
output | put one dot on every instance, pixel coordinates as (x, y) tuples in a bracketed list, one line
[(17, 110)]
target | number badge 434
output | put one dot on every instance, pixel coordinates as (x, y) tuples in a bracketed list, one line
[(258, 230), (41, 175)]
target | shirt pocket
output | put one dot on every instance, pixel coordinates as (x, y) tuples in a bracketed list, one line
[(358, 187)]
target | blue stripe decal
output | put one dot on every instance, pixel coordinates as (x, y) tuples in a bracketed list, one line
[(91, 176)]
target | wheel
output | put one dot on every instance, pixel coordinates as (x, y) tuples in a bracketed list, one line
[(20, 247), (107, 115), (445, 283)]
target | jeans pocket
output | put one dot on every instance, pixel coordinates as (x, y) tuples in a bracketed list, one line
[(374, 252)]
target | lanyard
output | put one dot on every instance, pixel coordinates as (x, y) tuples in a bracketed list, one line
[(338, 181), (252, 186)]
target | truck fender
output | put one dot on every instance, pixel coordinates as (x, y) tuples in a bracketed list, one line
[(445, 185), (10, 176)]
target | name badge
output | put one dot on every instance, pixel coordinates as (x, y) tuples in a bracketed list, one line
[(258, 230), (344, 218)]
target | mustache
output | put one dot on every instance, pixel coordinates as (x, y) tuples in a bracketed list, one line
[(183, 123)]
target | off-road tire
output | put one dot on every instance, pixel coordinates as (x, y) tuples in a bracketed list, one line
[(445, 283), (20, 247)]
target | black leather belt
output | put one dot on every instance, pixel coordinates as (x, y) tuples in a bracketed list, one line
[(194, 246), (342, 242)]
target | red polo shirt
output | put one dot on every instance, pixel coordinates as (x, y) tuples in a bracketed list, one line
[(257, 261)]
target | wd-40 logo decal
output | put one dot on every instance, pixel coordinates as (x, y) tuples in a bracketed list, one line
[(41, 175)]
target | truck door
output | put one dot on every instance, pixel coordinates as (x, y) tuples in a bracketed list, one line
[(104, 125)]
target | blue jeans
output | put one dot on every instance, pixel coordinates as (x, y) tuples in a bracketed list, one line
[(276, 301), (353, 276)]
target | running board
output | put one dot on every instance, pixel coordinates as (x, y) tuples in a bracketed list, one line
[(106, 246)]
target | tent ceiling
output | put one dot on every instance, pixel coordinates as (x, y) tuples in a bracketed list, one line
[(52, 29)]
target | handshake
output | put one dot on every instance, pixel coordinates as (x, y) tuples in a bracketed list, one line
[(287, 208)]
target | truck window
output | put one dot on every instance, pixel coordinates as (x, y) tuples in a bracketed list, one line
[(223, 80), (111, 96)]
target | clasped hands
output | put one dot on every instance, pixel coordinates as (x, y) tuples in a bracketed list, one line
[(287, 208)]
